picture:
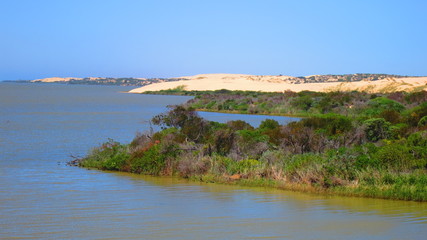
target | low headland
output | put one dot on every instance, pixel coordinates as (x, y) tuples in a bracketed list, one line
[(348, 143)]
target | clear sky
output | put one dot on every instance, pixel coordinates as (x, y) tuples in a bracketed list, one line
[(159, 38)]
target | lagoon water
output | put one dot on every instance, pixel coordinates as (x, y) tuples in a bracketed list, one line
[(42, 198)]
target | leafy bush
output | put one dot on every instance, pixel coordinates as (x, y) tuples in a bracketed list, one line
[(150, 161), (223, 141), (377, 129), (395, 156), (398, 131), (377, 105), (391, 116), (116, 161), (239, 125), (304, 103), (332, 124), (185, 119), (422, 122), (416, 114), (246, 166), (110, 155), (301, 161), (251, 143), (269, 124), (417, 142)]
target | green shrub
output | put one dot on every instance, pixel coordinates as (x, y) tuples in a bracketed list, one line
[(395, 156), (364, 158), (116, 161), (390, 115), (418, 139), (247, 165), (251, 143), (414, 116), (422, 122), (398, 131), (110, 155), (331, 124), (377, 129), (223, 141), (210, 105), (269, 124), (224, 165), (302, 103), (239, 125), (150, 161), (377, 105), (301, 161), (365, 161), (417, 143)]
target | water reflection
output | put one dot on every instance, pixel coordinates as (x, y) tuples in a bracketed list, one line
[(303, 202), (292, 212)]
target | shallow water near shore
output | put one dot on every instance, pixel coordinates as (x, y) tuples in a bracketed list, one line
[(41, 125)]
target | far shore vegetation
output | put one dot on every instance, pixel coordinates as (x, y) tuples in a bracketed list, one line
[(106, 81), (348, 143)]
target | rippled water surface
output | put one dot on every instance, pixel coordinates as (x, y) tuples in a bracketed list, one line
[(42, 198)]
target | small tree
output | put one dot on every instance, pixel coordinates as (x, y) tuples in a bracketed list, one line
[(187, 120)]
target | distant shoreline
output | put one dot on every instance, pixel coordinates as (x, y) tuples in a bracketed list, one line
[(265, 83)]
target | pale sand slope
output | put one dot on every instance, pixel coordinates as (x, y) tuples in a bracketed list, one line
[(283, 83)]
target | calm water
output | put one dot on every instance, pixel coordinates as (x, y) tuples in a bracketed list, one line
[(41, 198)]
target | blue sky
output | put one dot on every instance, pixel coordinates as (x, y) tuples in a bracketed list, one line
[(159, 38)]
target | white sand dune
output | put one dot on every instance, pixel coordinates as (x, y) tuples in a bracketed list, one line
[(283, 83)]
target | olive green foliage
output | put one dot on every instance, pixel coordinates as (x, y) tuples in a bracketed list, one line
[(332, 124), (109, 156), (190, 124), (239, 125), (375, 148), (379, 104), (422, 122), (269, 124), (149, 161), (376, 129)]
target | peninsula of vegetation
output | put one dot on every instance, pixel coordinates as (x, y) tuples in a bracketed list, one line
[(348, 143)]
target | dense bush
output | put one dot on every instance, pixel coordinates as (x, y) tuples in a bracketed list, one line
[(148, 161), (377, 129), (110, 155), (379, 104)]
